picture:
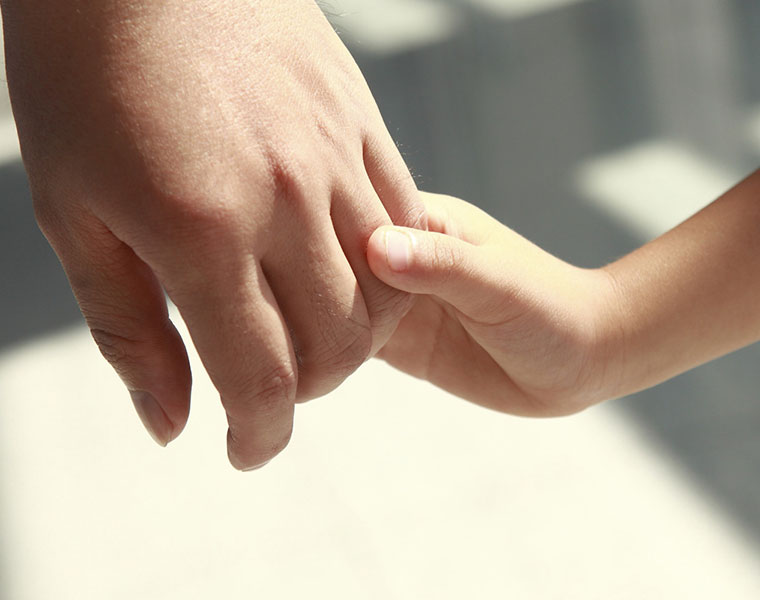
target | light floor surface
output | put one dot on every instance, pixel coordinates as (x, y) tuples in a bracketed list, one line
[(589, 126), (390, 489)]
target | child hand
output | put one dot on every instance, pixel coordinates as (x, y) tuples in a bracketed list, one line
[(497, 320)]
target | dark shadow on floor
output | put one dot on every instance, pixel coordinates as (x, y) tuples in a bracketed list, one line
[(35, 297)]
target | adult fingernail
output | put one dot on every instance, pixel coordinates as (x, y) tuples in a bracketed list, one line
[(153, 417), (257, 467), (398, 250)]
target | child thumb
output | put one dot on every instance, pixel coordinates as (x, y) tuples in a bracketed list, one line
[(423, 262)]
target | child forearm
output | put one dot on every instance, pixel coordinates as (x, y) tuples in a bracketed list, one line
[(689, 296)]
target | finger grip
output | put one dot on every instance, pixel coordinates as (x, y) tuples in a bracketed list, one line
[(423, 262)]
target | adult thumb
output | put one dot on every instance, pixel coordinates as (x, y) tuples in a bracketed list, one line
[(425, 262)]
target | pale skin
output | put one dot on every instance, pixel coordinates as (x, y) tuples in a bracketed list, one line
[(230, 154), (502, 323)]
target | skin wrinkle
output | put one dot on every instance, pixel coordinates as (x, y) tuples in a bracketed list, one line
[(343, 336), (486, 370), (206, 150), (386, 297), (436, 346), (514, 352), (352, 338)]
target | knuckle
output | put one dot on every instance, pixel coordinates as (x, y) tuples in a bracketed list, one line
[(111, 346), (329, 132), (415, 216), (289, 174), (194, 207), (445, 258), (275, 387), (267, 390), (121, 352), (344, 348), (389, 306), (295, 180), (201, 214)]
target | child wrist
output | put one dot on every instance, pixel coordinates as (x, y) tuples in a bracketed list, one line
[(610, 339)]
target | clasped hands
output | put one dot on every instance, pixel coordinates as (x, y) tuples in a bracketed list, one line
[(230, 155)]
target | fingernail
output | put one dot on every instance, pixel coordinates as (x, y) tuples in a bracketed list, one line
[(153, 417), (257, 467), (398, 249)]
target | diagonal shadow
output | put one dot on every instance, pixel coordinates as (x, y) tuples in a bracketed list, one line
[(36, 297), (504, 113)]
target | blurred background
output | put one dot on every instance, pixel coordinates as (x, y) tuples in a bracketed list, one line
[(589, 126)]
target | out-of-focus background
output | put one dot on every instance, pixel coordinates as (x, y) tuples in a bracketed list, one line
[(589, 126)]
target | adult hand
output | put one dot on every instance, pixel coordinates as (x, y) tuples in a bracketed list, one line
[(231, 154)]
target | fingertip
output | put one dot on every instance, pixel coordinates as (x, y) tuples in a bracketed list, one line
[(434, 263), (176, 383), (161, 387), (153, 365), (246, 453), (376, 248), (261, 431), (155, 420)]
